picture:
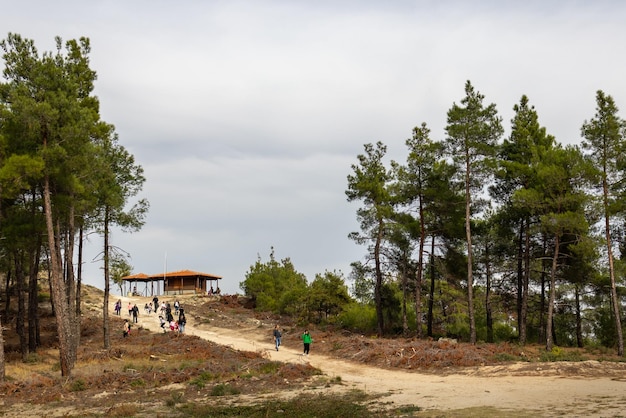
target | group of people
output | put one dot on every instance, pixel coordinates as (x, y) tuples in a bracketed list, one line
[(166, 317), (306, 339), (166, 320), (133, 310)]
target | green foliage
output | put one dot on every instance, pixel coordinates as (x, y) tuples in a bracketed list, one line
[(328, 294), (369, 183), (138, 383), (223, 389), (119, 267), (270, 367), (391, 299), (604, 325), (61, 167), (174, 399), (78, 385), (350, 404), (362, 280), (358, 317), (503, 332), (268, 284), (201, 380), (559, 354)]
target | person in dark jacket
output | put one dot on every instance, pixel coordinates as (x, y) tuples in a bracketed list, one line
[(277, 336)]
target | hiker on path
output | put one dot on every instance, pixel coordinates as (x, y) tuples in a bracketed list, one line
[(181, 323), (118, 307), (135, 314), (155, 301), (277, 336), (126, 329), (306, 340)]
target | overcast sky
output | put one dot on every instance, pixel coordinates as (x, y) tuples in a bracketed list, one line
[(247, 115)]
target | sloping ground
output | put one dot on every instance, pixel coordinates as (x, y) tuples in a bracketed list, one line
[(228, 350), (441, 357), (490, 379)]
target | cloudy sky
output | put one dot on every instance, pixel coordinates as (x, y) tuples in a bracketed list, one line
[(247, 115)]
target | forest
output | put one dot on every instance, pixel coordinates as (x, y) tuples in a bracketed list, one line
[(492, 238), (479, 237), (63, 175)]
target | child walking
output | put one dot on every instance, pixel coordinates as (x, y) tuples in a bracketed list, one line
[(306, 340)]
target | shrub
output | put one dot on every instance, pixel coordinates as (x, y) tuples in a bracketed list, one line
[(223, 389), (78, 385), (202, 379), (358, 317), (559, 354)]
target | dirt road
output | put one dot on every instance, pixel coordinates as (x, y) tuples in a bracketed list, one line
[(536, 395)]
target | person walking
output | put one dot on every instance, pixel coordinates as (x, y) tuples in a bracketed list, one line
[(306, 340), (126, 329), (118, 307), (181, 323), (135, 314), (277, 336)]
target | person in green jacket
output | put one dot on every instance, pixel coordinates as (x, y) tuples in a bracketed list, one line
[(306, 339)]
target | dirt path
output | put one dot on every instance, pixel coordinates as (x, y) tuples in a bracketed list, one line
[(539, 395)]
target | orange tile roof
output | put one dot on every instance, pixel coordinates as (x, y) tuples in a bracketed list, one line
[(136, 276), (185, 273), (181, 273)]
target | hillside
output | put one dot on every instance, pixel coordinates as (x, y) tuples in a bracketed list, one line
[(226, 360)]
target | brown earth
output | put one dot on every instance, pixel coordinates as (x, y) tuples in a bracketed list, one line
[(443, 378)]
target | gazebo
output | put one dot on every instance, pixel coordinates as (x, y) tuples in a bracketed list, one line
[(174, 283), (141, 279)]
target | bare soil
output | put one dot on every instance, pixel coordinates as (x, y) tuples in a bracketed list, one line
[(442, 378)]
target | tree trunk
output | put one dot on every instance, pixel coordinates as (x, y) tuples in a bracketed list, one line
[(542, 302), (73, 298), (405, 324), (431, 298), (525, 283), (105, 311), (488, 296), (470, 273), (7, 291), (379, 281), (20, 322), (579, 325), (34, 333), (57, 285), (2, 372), (549, 323), (34, 336), (614, 296), (418, 276), (520, 280)]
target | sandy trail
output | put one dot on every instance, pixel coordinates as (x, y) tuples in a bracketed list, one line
[(539, 395)]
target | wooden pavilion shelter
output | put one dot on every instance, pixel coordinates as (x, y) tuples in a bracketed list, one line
[(143, 280), (173, 283)]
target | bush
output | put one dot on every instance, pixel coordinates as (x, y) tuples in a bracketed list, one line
[(559, 354), (503, 332), (358, 317)]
